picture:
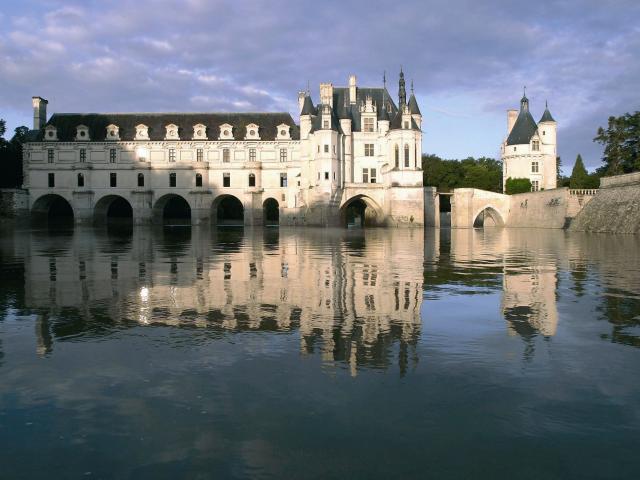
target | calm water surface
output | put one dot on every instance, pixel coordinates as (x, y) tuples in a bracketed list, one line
[(198, 353)]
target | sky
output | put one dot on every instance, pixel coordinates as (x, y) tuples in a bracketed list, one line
[(469, 60)]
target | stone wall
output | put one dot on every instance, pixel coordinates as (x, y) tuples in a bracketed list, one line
[(618, 180), (543, 209)]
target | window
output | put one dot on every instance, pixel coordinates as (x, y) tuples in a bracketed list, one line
[(318, 175), (252, 154), (535, 146), (226, 179), (406, 155), (397, 157), (172, 154), (334, 175), (199, 155), (172, 179), (283, 179), (543, 132), (325, 124), (368, 125), (141, 180), (113, 179), (534, 167), (535, 185), (50, 155), (334, 148), (83, 155), (373, 175), (198, 180), (514, 149), (365, 175), (326, 175), (368, 149), (226, 155), (52, 180), (112, 155), (80, 180), (326, 149), (252, 180), (406, 125), (283, 154)]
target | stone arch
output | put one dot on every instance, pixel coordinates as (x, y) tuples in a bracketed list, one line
[(271, 211), (52, 207), (488, 216), (112, 208), (227, 210), (361, 211), (172, 209)]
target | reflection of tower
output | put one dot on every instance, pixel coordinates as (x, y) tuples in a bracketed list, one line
[(43, 336), (529, 301)]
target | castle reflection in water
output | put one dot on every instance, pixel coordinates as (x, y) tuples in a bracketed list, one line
[(353, 297)]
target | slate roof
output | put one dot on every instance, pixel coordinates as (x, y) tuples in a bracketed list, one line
[(546, 116), (524, 128), (307, 106), (396, 123), (66, 124), (413, 105)]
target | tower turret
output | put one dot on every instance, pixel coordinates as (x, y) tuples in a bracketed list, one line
[(402, 93)]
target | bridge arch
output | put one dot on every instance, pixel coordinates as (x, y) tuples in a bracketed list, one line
[(488, 216), (52, 207), (172, 209), (271, 212), (112, 208), (361, 211), (227, 210)]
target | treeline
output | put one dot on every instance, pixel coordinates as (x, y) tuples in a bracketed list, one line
[(483, 173), (11, 157)]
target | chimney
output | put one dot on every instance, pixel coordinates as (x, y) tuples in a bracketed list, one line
[(352, 89), (301, 96), (512, 115), (326, 94), (39, 112)]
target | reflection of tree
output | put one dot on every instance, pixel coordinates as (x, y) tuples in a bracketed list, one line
[(623, 312)]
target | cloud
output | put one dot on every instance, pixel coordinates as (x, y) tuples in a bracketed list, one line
[(581, 56)]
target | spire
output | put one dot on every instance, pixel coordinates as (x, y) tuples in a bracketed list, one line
[(382, 113), (402, 93), (524, 101), (546, 116)]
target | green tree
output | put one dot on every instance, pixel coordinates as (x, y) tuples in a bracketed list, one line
[(621, 141), (579, 176), (517, 185), (3, 129), (11, 157), (483, 173)]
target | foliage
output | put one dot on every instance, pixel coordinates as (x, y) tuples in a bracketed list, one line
[(579, 176), (3, 129), (483, 173), (11, 157), (621, 141), (517, 185)]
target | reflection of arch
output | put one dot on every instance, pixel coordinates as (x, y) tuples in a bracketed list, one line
[(112, 207), (488, 217), (172, 209), (227, 210), (52, 207), (361, 211), (271, 211)]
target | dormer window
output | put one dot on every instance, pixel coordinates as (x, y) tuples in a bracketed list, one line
[(50, 133), (406, 125), (226, 132), (171, 132), (325, 124), (535, 145), (252, 132), (368, 124), (142, 132), (284, 132), (199, 132), (82, 133), (113, 132)]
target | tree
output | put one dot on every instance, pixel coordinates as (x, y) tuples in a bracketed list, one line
[(3, 129), (483, 173), (621, 141), (517, 185), (11, 157), (579, 176)]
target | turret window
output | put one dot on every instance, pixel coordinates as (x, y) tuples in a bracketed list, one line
[(535, 146), (326, 149), (368, 149), (406, 156)]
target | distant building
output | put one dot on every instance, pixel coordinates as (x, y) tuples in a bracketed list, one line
[(530, 149), (355, 157)]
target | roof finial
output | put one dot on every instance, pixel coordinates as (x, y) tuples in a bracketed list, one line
[(546, 104), (412, 86), (308, 89), (384, 79), (524, 94)]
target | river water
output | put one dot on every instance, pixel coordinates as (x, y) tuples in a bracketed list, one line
[(282, 353)]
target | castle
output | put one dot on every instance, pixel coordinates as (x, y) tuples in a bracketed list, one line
[(530, 149), (354, 158)]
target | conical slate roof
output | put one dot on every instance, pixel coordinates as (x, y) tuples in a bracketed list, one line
[(307, 106), (413, 105), (525, 126), (546, 116)]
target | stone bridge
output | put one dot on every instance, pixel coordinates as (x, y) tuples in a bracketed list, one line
[(470, 206)]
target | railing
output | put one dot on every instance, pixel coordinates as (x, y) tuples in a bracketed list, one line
[(583, 191)]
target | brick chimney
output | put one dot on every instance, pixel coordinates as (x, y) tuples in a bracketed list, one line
[(39, 112)]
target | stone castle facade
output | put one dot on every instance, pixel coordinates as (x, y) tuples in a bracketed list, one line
[(353, 158)]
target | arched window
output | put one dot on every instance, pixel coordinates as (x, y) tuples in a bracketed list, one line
[(198, 180), (397, 156), (141, 180), (80, 180), (252, 180), (406, 155)]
